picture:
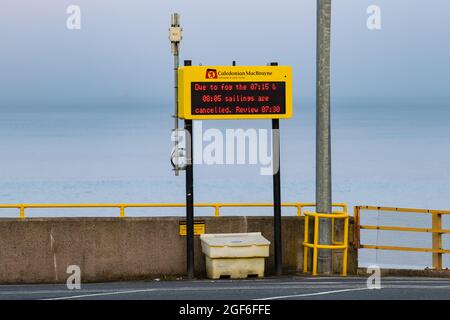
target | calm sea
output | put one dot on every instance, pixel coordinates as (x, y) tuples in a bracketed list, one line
[(388, 154)]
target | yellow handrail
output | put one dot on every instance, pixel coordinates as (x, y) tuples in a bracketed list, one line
[(436, 230), (411, 210), (123, 206), (316, 245)]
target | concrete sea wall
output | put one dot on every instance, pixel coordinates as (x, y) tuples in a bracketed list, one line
[(39, 250)]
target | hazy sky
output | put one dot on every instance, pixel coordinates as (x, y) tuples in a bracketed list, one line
[(95, 103), (122, 53), (85, 114)]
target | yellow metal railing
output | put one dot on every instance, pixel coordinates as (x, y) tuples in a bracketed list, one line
[(315, 245), (435, 230), (123, 206)]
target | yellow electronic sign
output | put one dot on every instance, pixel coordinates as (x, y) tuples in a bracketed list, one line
[(234, 92)]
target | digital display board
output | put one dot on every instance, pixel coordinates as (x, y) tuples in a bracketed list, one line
[(238, 98), (230, 92)]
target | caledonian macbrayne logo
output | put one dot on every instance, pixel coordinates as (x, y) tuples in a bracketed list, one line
[(211, 74)]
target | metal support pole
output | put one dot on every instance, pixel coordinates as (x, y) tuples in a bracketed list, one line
[(323, 137), (175, 38), (189, 194), (276, 193), (175, 113)]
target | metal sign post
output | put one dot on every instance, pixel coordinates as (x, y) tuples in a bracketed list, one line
[(276, 195), (189, 194), (276, 192), (175, 39)]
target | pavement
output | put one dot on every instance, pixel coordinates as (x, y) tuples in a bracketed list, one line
[(279, 288)]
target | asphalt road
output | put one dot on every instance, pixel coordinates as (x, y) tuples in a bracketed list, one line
[(351, 288)]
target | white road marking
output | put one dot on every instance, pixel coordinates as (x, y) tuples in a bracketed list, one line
[(172, 289), (313, 294), (414, 287), (99, 294), (318, 281), (330, 287)]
